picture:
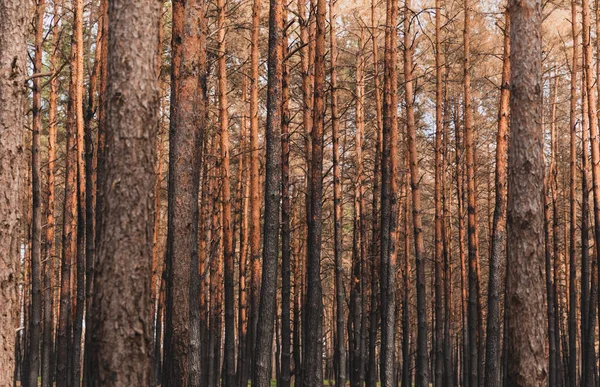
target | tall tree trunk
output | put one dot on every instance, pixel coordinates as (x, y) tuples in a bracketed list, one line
[(36, 219), (492, 349), (184, 175), (439, 244), (69, 236), (375, 231), (473, 304), (77, 45), (123, 356), (286, 213), (244, 184), (587, 359), (255, 200), (356, 285), (50, 280), (267, 312), (90, 181), (229, 349), (572, 374), (593, 128), (340, 340), (389, 165), (13, 48), (415, 178), (312, 364), (526, 336)]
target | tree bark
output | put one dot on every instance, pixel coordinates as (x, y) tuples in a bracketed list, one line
[(36, 219), (526, 333), (415, 178), (572, 374), (438, 232), (123, 355), (340, 337), (312, 364), (267, 311), (184, 174)]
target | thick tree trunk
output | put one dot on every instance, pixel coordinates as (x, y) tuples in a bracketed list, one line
[(267, 312), (184, 174), (123, 356), (526, 333), (13, 48), (492, 350)]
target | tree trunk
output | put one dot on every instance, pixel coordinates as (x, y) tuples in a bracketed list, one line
[(286, 212), (312, 364), (69, 236), (526, 333), (184, 173), (415, 178), (77, 45), (123, 356), (50, 280), (13, 48), (473, 253), (36, 219), (267, 310), (255, 200), (572, 374), (492, 350), (340, 339), (229, 349), (438, 233)]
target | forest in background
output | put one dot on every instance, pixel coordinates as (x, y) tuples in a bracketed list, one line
[(299, 193)]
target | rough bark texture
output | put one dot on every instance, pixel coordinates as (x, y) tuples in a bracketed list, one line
[(184, 174), (267, 310), (492, 349), (122, 343), (13, 49), (525, 286)]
